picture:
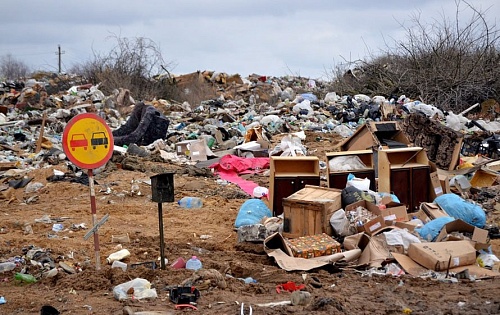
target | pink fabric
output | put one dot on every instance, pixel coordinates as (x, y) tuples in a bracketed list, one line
[(229, 166)]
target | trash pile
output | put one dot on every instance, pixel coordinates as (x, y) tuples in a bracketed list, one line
[(407, 191)]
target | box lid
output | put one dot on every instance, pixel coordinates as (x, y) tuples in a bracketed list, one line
[(315, 194)]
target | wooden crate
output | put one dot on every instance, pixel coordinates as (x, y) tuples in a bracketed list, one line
[(308, 211)]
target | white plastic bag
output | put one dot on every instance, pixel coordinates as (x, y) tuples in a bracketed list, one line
[(142, 290), (346, 163)]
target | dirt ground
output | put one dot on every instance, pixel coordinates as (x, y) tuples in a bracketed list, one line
[(207, 233)]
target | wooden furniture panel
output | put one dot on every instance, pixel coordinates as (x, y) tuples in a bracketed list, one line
[(288, 175)]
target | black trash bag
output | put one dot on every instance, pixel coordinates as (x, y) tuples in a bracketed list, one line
[(352, 194), (49, 310), (144, 126)]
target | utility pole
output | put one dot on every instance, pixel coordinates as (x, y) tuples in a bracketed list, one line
[(59, 53)]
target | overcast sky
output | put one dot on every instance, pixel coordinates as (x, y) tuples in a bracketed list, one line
[(284, 37)]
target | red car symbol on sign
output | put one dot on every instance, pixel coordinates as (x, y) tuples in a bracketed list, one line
[(78, 140)]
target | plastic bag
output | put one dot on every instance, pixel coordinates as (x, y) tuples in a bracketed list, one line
[(486, 259), (304, 105), (343, 130), (400, 237), (432, 228), (340, 223), (251, 212), (359, 183), (142, 290), (346, 163), (461, 209)]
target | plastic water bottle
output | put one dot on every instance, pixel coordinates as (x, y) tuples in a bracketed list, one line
[(7, 266), (24, 277), (119, 255), (190, 202), (193, 263)]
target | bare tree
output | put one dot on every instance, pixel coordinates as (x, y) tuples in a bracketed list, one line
[(452, 62), (132, 64), (12, 69)]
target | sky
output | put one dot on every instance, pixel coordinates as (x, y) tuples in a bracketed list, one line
[(266, 37)]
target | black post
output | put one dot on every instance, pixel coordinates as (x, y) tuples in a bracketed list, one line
[(162, 240)]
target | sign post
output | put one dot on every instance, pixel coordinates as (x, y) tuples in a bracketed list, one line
[(88, 143)]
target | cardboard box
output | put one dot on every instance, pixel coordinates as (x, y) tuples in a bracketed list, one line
[(479, 237), (313, 246), (394, 212), (445, 183), (442, 256), (436, 189), (308, 211), (484, 178), (421, 215), (181, 148), (433, 211), (257, 148), (409, 225)]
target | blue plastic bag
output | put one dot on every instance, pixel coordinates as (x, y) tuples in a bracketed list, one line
[(459, 208), (251, 212), (432, 228)]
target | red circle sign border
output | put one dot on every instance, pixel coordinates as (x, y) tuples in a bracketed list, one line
[(68, 152)]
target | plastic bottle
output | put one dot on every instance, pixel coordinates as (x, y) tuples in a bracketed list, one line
[(119, 264), (24, 277), (193, 263), (190, 202), (7, 266), (119, 255)]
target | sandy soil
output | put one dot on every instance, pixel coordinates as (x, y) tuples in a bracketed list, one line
[(207, 233)]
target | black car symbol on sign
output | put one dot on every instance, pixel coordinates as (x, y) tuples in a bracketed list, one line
[(99, 138)]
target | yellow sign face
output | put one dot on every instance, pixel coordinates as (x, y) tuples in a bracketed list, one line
[(88, 141)]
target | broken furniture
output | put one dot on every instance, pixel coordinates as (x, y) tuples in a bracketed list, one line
[(442, 143), (338, 179), (289, 174), (406, 173), (375, 135)]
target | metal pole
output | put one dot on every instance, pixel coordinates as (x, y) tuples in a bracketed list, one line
[(162, 241), (93, 208)]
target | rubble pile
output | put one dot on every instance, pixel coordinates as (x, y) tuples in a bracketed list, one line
[(409, 190)]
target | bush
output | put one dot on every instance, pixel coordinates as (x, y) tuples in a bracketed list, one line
[(131, 64), (447, 63), (12, 69)]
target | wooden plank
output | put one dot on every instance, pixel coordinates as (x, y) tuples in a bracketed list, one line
[(40, 137), (7, 165)]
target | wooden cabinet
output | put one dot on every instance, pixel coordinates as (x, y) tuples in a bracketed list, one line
[(406, 173), (289, 175), (338, 179)]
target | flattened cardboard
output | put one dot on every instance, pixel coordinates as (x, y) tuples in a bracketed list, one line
[(440, 256), (275, 246), (479, 236), (408, 265), (414, 269), (433, 211)]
